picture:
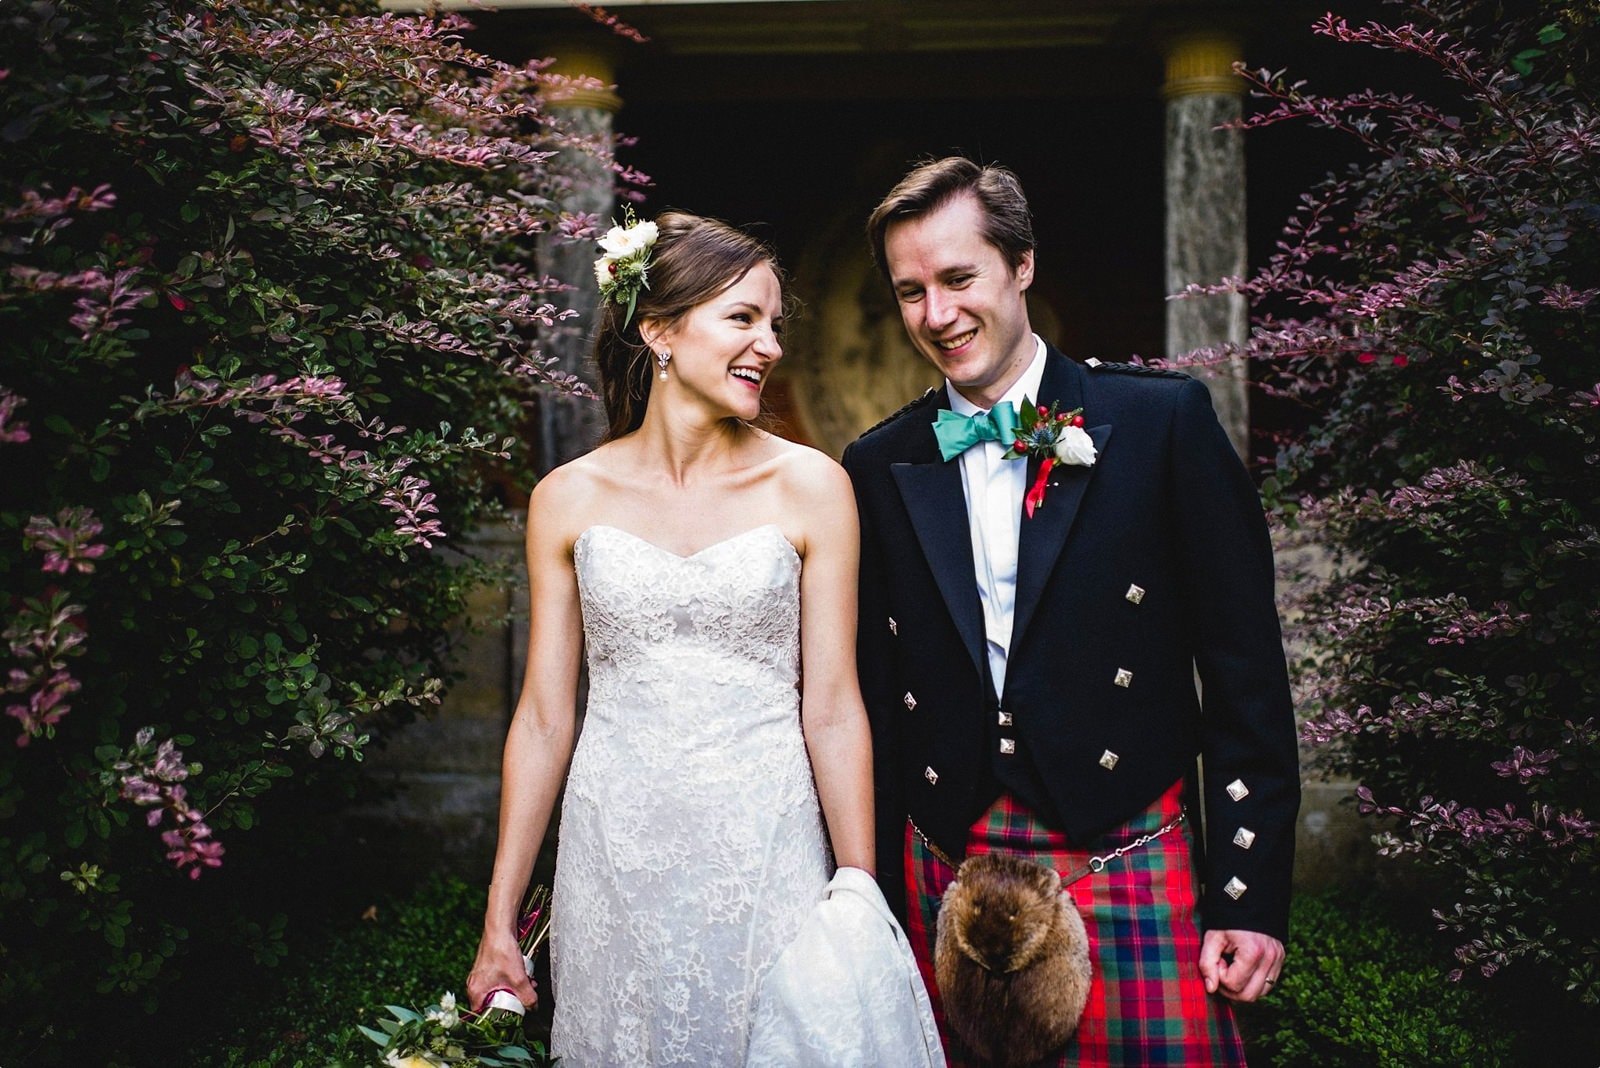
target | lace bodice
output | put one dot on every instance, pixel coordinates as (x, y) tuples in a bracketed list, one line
[(699, 652), (691, 845), (734, 607)]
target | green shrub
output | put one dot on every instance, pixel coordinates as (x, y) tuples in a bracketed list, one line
[(406, 951), (1359, 992)]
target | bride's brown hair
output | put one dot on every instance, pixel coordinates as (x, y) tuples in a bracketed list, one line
[(693, 260)]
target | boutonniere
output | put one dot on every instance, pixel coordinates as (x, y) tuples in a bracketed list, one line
[(1055, 438)]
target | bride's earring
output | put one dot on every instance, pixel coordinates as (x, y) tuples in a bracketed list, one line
[(662, 359)]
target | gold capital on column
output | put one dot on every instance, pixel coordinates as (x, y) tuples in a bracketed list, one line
[(1202, 63), (576, 70)]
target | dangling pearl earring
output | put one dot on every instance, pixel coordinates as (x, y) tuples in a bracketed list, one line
[(661, 361)]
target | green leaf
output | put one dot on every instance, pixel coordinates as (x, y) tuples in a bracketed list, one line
[(1522, 62), (377, 1036)]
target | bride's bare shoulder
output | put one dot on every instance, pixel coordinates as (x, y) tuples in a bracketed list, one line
[(566, 501), (801, 464), (811, 483)]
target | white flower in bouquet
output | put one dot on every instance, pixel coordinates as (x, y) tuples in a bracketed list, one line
[(445, 1014), (449, 1034), (414, 1060), (443, 1036)]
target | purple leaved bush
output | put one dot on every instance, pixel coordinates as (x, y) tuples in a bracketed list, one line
[(274, 325), (1430, 312)]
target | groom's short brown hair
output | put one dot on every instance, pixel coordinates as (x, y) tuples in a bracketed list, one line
[(1007, 223)]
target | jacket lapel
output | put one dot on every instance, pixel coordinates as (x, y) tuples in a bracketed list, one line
[(1045, 532), (931, 490)]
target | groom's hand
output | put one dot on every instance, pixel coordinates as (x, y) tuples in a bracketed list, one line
[(1241, 965)]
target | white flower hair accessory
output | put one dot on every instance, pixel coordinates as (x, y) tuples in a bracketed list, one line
[(623, 268)]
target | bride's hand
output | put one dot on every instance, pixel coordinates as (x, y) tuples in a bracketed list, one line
[(499, 966)]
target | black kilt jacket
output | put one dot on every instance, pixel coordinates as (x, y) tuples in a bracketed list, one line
[(1136, 576)]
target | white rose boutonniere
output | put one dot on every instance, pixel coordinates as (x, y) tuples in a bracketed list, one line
[(1074, 446)]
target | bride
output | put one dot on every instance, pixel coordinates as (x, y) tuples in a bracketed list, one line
[(698, 562)]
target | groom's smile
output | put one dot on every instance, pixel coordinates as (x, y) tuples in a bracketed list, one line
[(956, 342)]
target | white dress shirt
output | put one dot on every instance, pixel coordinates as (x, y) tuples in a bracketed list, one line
[(994, 487)]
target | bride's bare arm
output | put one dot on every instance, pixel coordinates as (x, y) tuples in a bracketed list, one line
[(539, 743), (831, 710)]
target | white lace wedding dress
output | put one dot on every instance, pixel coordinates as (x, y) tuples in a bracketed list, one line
[(691, 845)]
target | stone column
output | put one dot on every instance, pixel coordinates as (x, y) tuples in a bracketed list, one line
[(1205, 243), (570, 426), (1205, 196)]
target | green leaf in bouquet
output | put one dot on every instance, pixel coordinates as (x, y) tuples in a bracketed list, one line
[(377, 1036)]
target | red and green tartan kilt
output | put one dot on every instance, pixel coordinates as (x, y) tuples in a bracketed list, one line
[(1148, 1004)]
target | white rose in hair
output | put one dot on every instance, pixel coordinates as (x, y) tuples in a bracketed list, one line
[(616, 243), (622, 242), (644, 235)]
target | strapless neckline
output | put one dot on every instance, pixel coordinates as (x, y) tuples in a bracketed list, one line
[(725, 542)]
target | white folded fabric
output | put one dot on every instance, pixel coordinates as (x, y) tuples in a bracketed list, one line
[(846, 993)]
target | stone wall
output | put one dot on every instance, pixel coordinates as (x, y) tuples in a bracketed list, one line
[(439, 777)]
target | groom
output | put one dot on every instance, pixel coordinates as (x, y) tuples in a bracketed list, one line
[(1030, 642)]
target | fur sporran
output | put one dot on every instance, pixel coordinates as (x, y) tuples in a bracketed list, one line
[(1011, 958)]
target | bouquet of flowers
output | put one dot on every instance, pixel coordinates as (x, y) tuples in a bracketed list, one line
[(443, 1035), (447, 1034)]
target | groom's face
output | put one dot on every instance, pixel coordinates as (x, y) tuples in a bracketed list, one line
[(962, 304)]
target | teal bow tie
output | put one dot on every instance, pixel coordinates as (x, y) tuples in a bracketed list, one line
[(958, 433)]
